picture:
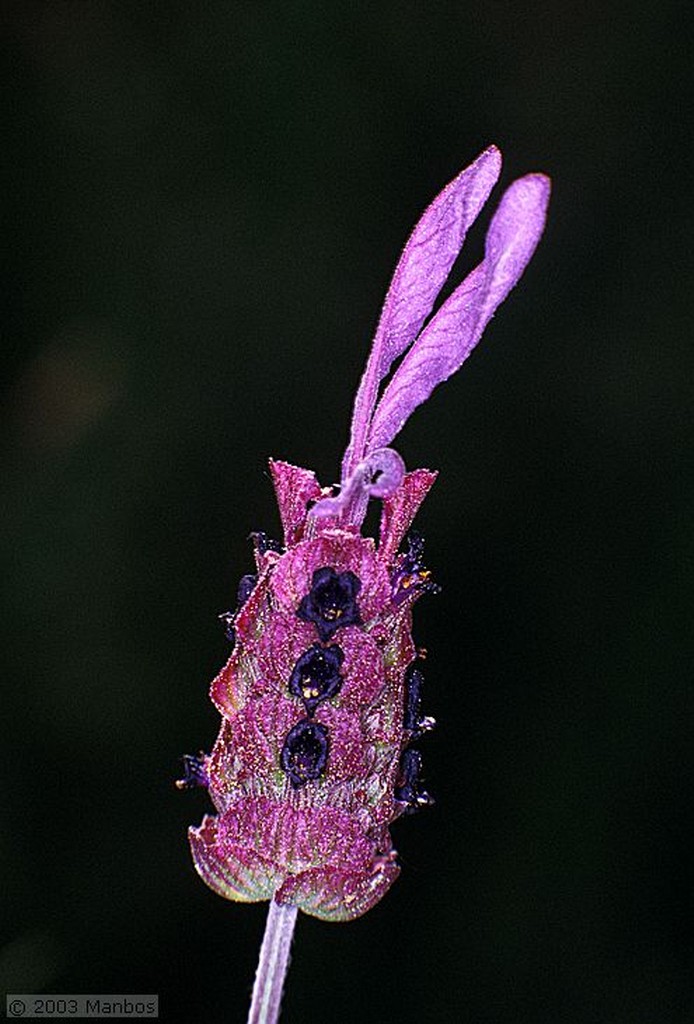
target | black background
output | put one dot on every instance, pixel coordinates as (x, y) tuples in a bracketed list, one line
[(203, 203)]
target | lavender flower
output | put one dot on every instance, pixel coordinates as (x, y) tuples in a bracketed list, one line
[(321, 697)]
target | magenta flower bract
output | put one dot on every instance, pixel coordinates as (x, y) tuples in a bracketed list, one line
[(321, 697)]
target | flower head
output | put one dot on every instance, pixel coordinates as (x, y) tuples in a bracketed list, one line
[(321, 699)]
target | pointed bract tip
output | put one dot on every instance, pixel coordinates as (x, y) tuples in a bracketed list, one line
[(492, 152), (486, 168)]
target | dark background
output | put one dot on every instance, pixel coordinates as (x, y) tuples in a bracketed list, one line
[(203, 204)]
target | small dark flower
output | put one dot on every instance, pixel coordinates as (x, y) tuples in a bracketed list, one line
[(411, 576), (305, 752), (245, 589), (331, 601), (243, 592), (227, 620), (316, 675), (194, 772), (263, 543), (410, 792), (414, 721)]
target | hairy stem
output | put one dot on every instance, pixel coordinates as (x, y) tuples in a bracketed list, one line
[(272, 965)]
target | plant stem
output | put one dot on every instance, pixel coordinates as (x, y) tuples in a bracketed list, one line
[(273, 963)]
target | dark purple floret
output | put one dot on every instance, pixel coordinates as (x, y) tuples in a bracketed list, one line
[(331, 601), (316, 675), (414, 681), (245, 589), (194, 772), (305, 752), (227, 620), (415, 546), (415, 722), (411, 792), (411, 575), (264, 543), (243, 592)]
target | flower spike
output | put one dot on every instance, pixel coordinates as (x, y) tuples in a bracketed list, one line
[(321, 699)]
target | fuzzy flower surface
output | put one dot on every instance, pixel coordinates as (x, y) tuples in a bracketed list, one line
[(317, 754)]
